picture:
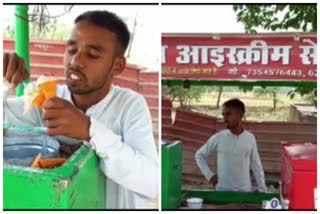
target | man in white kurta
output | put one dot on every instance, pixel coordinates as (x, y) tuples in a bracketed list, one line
[(237, 154), (113, 121)]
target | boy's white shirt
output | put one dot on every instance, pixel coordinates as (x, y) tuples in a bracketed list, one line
[(121, 135), (236, 156)]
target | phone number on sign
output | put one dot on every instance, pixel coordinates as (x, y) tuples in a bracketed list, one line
[(279, 72)]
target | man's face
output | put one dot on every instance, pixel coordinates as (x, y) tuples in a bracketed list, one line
[(232, 117), (91, 59)]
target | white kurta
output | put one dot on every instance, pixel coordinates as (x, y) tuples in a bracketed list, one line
[(236, 156), (121, 135)]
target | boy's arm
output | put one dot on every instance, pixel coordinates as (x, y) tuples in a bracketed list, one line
[(256, 167), (202, 154)]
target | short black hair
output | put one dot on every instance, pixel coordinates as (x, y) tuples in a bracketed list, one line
[(235, 103), (109, 21)]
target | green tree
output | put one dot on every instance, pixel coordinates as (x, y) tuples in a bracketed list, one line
[(42, 25), (308, 92), (268, 91), (182, 95), (275, 17), (219, 96), (217, 89)]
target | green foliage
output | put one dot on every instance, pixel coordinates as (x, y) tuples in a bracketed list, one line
[(308, 92), (42, 25), (53, 30), (281, 17), (277, 17), (246, 88), (184, 96), (268, 91)]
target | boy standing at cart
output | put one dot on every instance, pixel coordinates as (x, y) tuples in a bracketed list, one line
[(237, 154)]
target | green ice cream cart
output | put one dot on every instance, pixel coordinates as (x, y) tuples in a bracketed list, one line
[(79, 183), (173, 195), (171, 174)]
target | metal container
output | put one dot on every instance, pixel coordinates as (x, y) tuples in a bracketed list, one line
[(23, 154), (21, 148)]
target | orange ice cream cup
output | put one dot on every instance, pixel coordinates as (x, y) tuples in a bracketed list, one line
[(39, 100), (49, 89), (36, 161), (51, 163)]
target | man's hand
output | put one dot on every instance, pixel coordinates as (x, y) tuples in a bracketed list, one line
[(62, 118), (14, 69), (214, 180)]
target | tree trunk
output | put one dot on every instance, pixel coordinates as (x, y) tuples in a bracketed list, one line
[(274, 97), (181, 100), (219, 96)]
